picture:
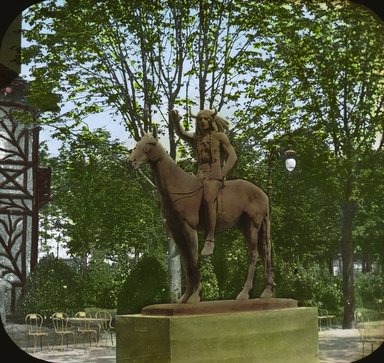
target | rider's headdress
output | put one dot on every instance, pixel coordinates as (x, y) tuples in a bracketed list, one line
[(218, 123)]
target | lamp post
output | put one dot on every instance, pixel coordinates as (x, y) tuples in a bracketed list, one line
[(290, 164), (273, 154)]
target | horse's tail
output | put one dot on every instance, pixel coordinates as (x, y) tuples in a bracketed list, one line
[(263, 231), (265, 248)]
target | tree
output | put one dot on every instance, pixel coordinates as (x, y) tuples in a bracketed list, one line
[(305, 212), (96, 193), (136, 59), (369, 221), (289, 65), (321, 69)]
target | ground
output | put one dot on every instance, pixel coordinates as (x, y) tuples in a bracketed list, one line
[(335, 346)]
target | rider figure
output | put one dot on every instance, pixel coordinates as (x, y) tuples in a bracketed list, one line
[(215, 157)]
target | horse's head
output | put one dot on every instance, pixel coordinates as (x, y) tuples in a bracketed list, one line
[(142, 151)]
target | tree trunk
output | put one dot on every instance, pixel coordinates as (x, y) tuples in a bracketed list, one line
[(174, 263), (348, 209), (381, 265), (330, 265), (174, 270), (366, 260)]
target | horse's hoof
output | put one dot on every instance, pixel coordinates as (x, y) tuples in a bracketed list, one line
[(242, 296), (183, 299), (267, 294), (193, 300), (195, 297), (208, 248)]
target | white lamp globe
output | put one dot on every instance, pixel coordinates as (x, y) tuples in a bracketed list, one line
[(290, 164)]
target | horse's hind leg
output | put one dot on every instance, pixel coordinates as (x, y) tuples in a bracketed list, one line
[(188, 287), (192, 263), (251, 235), (187, 243), (265, 252)]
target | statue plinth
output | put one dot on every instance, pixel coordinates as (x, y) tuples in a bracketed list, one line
[(256, 330), (218, 307)]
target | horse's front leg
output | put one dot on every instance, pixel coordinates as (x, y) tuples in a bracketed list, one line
[(252, 239), (192, 263), (182, 246)]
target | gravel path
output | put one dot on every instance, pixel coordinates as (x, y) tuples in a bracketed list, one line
[(342, 346)]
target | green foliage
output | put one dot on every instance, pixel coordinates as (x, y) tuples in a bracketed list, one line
[(53, 286), (307, 283), (313, 79), (210, 289), (369, 287), (94, 191), (146, 284), (305, 211), (230, 263), (59, 285), (100, 284), (315, 68), (136, 59), (369, 221)]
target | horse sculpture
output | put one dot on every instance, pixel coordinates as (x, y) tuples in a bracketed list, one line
[(240, 204)]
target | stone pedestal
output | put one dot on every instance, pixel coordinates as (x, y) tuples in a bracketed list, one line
[(248, 332)]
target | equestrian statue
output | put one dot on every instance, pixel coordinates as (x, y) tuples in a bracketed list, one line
[(206, 201)]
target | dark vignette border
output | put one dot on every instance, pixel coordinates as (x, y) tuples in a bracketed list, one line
[(10, 9)]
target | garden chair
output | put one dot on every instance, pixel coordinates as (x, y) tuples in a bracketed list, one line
[(35, 323), (105, 324), (84, 328), (380, 306), (60, 323), (310, 303), (369, 332), (324, 316)]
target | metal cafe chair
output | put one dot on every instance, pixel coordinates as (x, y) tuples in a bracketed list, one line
[(104, 320), (84, 328), (370, 333), (35, 323), (60, 323)]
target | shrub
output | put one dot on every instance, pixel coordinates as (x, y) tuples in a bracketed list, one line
[(99, 284), (369, 287), (310, 283), (146, 284), (53, 286)]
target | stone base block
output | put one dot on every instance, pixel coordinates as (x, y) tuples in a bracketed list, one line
[(263, 336)]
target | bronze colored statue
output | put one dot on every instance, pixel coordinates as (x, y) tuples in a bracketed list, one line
[(239, 203), (215, 157)]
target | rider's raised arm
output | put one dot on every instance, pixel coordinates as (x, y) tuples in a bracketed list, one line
[(231, 153), (185, 135)]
